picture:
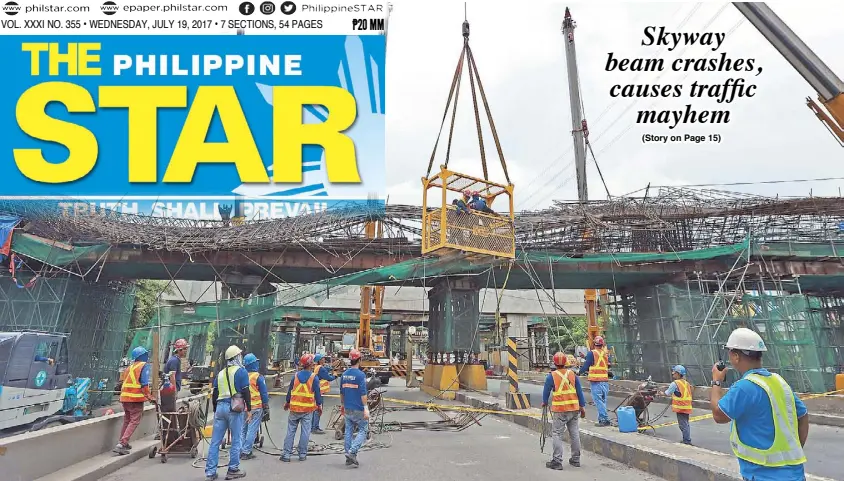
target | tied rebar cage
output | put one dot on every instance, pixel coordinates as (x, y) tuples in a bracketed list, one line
[(654, 328)]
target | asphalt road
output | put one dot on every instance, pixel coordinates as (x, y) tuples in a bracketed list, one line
[(496, 450), (823, 448)]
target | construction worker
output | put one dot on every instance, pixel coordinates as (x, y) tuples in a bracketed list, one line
[(325, 377), (460, 205), (680, 392), (303, 398), (354, 407), (134, 392), (770, 423), (596, 366), (260, 402), (567, 402), (173, 367), (229, 383)]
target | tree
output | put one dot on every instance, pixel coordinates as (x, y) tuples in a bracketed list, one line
[(147, 298), (566, 332)]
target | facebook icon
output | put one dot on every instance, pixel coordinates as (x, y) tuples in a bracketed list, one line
[(246, 8)]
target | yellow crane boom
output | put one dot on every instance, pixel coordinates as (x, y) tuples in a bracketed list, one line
[(830, 89)]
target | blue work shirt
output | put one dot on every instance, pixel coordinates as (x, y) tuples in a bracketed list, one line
[(352, 387), (303, 377), (477, 202), (549, 387), (325, 374), (174, 364), (262, 387), (749, 407), (587, 363), (144, 380)]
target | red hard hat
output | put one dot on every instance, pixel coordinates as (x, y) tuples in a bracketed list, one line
[(306, 360), (599, 341), (354, 354), (467, 193), (180, 344), (560, 359)]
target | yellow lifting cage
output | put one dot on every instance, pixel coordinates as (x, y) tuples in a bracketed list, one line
[(453, 224), (473, 231)]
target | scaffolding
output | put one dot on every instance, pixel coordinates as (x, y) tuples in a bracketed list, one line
[(95, 316), (654, 328)]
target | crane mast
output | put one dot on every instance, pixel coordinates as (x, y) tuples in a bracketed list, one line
[(829, 87), (580, 132)]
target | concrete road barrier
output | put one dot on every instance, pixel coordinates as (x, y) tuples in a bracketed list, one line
[(29, 456)]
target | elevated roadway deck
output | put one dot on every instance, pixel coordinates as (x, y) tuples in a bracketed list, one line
[(818, 265)]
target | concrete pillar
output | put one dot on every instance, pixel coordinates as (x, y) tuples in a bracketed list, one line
[(453, 338)]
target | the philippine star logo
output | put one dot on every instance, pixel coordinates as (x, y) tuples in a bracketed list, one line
[(40, 378)]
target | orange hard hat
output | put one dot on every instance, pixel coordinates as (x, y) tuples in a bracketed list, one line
[(560, 360), (354, 355), (180, 344), (599, 341), (306, 360)]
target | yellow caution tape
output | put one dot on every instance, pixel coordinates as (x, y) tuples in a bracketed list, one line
[(451, 407), (709, 416)]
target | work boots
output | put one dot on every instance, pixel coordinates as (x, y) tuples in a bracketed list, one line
[(554, 465), (352, 460), (235, 474)]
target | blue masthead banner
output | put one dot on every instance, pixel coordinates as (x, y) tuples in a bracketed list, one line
[(178, 125)]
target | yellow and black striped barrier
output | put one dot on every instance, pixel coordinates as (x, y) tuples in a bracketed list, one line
[(514, 398), (401, 371)]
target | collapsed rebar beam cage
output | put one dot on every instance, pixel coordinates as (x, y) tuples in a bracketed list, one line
[(671, 220)]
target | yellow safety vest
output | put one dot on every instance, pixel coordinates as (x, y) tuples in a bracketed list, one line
[(682, 404), (598, 371), (223, 391), (786, 450), (255, 393), (564, 398)]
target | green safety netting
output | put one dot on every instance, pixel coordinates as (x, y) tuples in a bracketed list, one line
[(661, 326), (53, 253)]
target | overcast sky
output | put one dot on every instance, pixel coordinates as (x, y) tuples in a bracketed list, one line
[(521, 59)]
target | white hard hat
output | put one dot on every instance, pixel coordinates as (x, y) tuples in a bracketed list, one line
[(232, 352), (744, 339)]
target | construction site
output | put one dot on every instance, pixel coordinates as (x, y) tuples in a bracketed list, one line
[(457, 311)]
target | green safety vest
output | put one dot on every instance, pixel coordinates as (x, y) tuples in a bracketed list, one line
[(223, 391), (786, 450)]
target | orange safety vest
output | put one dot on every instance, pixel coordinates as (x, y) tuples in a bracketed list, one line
[(131, 391), (564, 397), (324, 386), (682, 404), (598, 371), (254, 392), (302, 396)]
